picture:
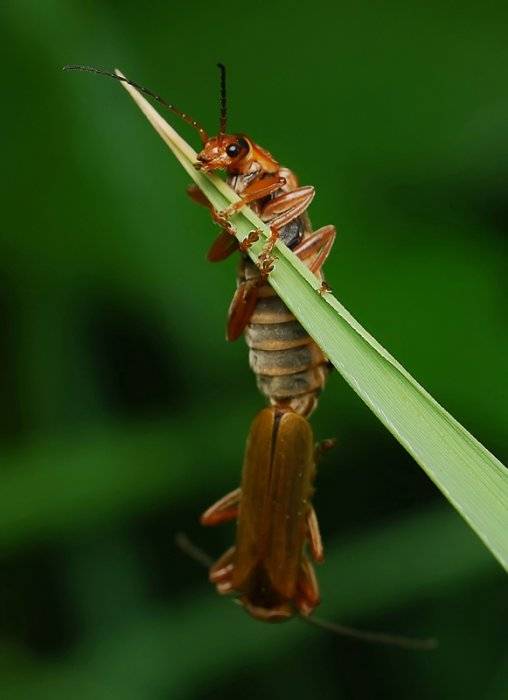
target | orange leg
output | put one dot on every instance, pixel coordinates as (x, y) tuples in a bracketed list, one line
[(321, 448), (266, 260), (283, 209), (307, 596), (241, 308), (258, 189), (279, 212), (266, 254), (314, 536), (218, 217), (249, 240), (223, 246), (224, 510), (316, 248), (221, 572), (197, 196)]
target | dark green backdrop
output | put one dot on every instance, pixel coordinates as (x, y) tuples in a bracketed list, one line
[(124, 412)]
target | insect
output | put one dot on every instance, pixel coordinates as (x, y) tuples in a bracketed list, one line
[(268, 569), (268, 565)]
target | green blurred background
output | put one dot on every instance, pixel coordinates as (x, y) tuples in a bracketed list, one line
[(123, 410)]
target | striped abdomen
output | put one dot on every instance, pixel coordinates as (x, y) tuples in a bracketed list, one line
[(290, 368)]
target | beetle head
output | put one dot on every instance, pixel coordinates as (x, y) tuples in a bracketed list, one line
[(224, 152)]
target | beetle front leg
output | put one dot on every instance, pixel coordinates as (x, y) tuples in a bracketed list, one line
[(258, 189), (253, 192), (221, 218)]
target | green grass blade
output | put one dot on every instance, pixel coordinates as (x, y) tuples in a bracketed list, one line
[(473, 480)]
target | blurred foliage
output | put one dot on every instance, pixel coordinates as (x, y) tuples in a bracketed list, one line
[(124, 413)]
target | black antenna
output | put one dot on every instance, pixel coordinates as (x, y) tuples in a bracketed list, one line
[(395, 640), (195, 553), (186, 118), (411, 643), (223, 101)]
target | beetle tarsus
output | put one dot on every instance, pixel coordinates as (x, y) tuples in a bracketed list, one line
[(223, 222), (249, 240)]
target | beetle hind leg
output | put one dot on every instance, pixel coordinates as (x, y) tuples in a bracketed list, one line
[(221, 573), (307, 595)]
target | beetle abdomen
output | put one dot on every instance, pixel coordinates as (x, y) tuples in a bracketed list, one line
[(290, 368)]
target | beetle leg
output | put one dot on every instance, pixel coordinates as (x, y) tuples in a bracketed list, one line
[(250, 239), (307, 596), (314, 536), (265, 259), (222, 220), (241, 308), (281, 210), (224, 245), (322, 447), (279, 613), (256, 190), (290, 178), (324, 289), (316, 248), (225, 509), (221, 572), (198, 196)]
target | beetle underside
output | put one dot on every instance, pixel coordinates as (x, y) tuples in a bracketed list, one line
[(260, 598)]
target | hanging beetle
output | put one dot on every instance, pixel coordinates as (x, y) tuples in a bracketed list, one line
[(268, 567)]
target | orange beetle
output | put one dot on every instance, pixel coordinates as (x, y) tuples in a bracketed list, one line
[(268, 568)]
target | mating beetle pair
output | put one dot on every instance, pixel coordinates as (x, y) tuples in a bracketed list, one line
[(268, 568)]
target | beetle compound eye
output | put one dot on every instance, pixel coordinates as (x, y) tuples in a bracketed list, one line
[(233, 150)]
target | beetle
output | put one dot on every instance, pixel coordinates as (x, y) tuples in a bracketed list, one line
[(268, 569)]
